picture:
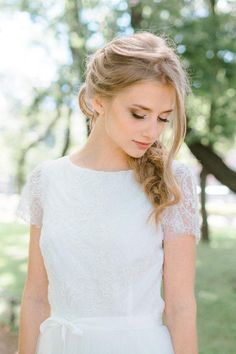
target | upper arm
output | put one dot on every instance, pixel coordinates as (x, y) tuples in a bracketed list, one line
[(30, 209), (179, 272), (36, 286), (181, 234)]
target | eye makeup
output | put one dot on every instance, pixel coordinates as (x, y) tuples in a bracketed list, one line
[(136, 116)]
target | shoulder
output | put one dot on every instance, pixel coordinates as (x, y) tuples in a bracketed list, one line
[(180, 168), (183, 172), (31, 203), (40, 176), (47, 167), (183, 218)]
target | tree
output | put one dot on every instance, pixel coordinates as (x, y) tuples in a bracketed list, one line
[(205, 36)]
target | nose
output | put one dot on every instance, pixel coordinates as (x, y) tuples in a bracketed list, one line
[(152, 131)]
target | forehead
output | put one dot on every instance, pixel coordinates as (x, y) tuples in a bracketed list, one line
[(151, 94)]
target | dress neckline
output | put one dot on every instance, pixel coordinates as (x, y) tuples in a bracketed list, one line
[(92, 171)]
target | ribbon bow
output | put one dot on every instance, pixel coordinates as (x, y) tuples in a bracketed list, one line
[(53, 321)]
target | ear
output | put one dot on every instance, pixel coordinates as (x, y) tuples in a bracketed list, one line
[(98, 103)]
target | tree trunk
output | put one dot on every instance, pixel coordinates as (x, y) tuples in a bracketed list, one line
[(204, 226)]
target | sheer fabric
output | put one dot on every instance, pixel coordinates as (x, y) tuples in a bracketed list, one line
[(104, 262), (30, 207), (183, 218)]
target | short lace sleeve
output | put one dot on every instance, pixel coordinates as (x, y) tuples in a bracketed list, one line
[(183, 218), (29, 207)]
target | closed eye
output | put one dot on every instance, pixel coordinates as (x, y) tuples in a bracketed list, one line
[(137, 116), (165, 120)]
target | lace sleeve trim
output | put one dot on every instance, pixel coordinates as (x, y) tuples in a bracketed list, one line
[(29, 207), (183, 218)]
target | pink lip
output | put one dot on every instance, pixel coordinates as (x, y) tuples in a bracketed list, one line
[(142, 145)]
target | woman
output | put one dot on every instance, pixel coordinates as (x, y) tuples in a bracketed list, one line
[(112, 220)]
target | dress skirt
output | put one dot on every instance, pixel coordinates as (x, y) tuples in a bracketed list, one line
[(104, 335)]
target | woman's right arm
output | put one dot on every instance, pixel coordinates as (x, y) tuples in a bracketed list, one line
[(34, 303)]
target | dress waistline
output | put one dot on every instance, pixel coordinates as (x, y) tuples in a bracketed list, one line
[(80, 325), (100, 323)]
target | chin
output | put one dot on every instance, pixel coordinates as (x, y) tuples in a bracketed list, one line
[(136, 154)]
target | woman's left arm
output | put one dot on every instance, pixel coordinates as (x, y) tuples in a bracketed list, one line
[(178, 284), (181, 230)]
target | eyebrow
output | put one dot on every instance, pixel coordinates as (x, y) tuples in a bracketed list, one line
[(149, 109)]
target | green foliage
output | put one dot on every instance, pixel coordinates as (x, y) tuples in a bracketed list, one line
[(202, 32), (204, 37)]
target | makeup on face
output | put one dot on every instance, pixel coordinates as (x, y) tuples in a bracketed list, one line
[(165, 120), (141, 145), (144, 145), (137, 116), (144, 108)]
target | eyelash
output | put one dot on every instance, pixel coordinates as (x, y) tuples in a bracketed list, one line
[(142, 117)]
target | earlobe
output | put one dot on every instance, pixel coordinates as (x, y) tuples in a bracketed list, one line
[(97, 104)]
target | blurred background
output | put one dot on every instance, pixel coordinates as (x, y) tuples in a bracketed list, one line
[(42, 62)]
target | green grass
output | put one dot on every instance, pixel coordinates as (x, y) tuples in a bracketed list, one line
[(13, 265), (215, 283), (216, 293), (13, 257)]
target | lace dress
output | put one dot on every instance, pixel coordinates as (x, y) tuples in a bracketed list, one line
[(103, 260)]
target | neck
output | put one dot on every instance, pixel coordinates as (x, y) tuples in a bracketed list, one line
[(100, 152)]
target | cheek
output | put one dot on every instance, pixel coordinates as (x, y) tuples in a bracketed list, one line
[(161, 130), (126, 126), (121, 125)]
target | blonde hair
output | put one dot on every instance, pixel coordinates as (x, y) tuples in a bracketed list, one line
[(126, 60)]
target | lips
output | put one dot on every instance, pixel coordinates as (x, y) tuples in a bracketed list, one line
[(141, 145), (144, 144)]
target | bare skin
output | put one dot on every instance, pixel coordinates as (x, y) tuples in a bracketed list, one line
[(111, 138), (107, 147), (35, 307)]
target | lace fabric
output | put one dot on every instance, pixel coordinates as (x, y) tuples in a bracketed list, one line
[(30, 207), (101, 257), (177, 220), (183, 218)]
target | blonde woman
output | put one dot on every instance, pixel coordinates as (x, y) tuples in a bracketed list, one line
[(112, 220)]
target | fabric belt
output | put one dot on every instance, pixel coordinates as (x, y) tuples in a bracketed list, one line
[(108, 323)]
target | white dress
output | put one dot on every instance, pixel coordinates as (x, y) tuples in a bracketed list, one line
[(104, 262)]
